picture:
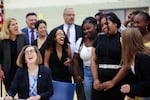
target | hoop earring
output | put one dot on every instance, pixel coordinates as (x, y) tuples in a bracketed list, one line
[(147, 28)]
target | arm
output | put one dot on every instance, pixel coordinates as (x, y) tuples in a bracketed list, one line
[(142, 72), (69, 60), (96, 82), (94, 65), (76, 65), (69, 51), (77, 62), (2, 76), (119, 76)]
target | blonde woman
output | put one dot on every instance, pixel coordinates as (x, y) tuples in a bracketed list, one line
[(142, 22), (11, 43), (136, 56)]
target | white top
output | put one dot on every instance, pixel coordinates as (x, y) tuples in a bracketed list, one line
[(72, 37), (132, 68), (85, 52)]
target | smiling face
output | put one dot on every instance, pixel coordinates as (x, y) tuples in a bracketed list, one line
[(31, 20), (42, 30), (112, 27), (89, 29), (140, 23), (69, 16), (60, 37), (104, 25), (30, 55), (13, 27)]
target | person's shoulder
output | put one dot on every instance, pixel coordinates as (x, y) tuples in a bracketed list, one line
[(118, 33), (21, 70), (78, 26), (142, 56), (44, 68), (60, 26), (79, 39), (24, 29), (21, 35), (101, 35)]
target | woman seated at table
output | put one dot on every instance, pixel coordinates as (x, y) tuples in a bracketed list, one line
[(32, 81)]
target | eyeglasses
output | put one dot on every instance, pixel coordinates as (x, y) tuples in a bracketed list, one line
[(29, 51), (60, 34)]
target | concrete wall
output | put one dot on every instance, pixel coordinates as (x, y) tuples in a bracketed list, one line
[(53, 14)]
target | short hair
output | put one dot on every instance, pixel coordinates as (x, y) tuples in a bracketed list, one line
[(39, 22), (91, 20), (5, 33), (114, 18), (98, 14), (66, 10), (51, 42), (31, 14), (146, 18), (21, 57)]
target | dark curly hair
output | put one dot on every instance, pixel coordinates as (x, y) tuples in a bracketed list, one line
[(39, 22), (51, 42)]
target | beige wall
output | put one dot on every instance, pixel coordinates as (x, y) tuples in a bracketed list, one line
[(53, 15)]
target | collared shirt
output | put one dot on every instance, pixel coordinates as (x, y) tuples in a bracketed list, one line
[(29, 34), (33, 83), (72, 38)]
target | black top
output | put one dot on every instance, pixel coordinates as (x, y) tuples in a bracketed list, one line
[(60, 72), (141, 87), (20, 84), (14, 55), (108, 49), (42, 49), (8, 56)]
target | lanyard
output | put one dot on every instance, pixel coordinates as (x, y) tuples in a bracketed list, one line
[(32, 90)]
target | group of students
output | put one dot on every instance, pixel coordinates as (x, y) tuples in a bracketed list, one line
[(33, 80), (119, 62), (21, 68), (106, 62)]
